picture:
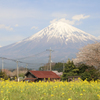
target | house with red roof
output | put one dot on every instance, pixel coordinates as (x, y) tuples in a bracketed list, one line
[(36, 76)]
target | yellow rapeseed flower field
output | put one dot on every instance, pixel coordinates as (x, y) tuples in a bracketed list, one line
[(81, 90)]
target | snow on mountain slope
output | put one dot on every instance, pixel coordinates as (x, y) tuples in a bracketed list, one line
[(98, 38), (59, 32), (59, 36), (63, 31)]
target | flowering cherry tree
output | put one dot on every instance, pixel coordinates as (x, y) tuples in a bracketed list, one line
[(89, 54)]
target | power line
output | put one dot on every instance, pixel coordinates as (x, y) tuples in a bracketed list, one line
[(17, 61), (31, 55)]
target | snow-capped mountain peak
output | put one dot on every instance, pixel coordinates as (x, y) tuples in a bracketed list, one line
[(60, 36), (63, 31)]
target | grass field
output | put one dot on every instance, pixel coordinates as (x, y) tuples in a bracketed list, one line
[(50, 90)]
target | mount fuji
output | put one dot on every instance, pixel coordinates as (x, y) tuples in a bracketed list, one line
[(63, 38)]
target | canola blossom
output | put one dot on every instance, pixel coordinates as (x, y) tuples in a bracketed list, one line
[(81, 90)]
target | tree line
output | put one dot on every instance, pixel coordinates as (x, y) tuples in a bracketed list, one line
[(86, 64), (70, 69)]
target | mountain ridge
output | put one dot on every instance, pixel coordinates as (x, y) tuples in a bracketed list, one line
[(61, 28), (60, 36)]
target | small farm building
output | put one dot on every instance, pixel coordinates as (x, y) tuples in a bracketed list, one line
[(73, 78), (36, 76)]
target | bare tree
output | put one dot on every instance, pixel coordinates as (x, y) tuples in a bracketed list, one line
[(90, 55)]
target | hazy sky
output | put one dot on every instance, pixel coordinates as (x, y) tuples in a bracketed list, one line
[(20, 19)]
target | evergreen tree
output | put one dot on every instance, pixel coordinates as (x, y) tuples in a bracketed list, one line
[(70, 70), (88, 72), (58, 66)]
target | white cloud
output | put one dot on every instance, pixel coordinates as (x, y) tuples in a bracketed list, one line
[(2, 26), (68, 21), (75, 19), (79, 17), (16, 25), (34, 27), (53, 21), (63, 20), (59, 15)]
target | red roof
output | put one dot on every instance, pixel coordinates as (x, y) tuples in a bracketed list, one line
[(44, 74)]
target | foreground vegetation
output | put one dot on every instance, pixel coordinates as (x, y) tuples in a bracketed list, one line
[(81, 90)]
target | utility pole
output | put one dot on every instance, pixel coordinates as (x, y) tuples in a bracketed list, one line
[(50, 57), (26, 67), (63, 66), (47, 66), (17, 71), (2, 64)]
